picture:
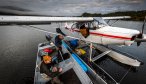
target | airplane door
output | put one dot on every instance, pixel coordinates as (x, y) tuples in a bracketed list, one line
[(88, 32)]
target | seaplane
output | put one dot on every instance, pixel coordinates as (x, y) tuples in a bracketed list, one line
[(88, 29), (98, 31), (95, 32)]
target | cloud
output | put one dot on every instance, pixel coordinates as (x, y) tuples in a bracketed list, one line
[(72, 7), (13, 8), (129, 1)]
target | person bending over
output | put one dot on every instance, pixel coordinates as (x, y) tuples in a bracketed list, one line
[(48, 67)]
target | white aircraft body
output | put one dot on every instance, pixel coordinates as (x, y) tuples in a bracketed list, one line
[(104, 34)]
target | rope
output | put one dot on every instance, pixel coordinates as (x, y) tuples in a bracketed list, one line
[(105, 73), (125, 74), (43, 30)]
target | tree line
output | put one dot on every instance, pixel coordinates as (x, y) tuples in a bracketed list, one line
[(135, 15)]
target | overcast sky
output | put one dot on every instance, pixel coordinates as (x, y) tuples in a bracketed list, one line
[(69, 7)]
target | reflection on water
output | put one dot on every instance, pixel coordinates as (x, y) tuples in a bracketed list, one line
[(19, 47)]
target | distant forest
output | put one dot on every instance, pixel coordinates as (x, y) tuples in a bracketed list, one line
[(135, 15)]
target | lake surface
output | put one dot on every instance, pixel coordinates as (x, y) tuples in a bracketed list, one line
[(19, 49)]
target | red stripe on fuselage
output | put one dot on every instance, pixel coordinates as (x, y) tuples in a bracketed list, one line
[(106, 35), (112, 36)]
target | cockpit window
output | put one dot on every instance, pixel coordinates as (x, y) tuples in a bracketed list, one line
[(100, 22), (96, 24), (88, 25)]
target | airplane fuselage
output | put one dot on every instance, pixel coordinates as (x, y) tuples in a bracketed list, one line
[(108, 35)]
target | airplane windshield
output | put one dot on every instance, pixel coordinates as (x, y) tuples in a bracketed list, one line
[(92, 25), (99, 22)]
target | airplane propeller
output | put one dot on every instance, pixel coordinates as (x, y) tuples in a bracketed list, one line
[(140, 37)]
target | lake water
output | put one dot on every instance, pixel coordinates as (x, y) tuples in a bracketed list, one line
[(19, 49)]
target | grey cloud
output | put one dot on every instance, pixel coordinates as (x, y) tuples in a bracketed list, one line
[(129, 1), (70, 7), (14, 8)]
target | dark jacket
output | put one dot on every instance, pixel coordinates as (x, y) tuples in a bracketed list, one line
[(47, 69), (58, 41)]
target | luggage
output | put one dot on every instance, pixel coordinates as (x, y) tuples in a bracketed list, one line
[(80, 51), (74, 43), (46, 51)]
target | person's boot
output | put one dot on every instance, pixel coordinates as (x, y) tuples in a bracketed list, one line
[(52, 82)]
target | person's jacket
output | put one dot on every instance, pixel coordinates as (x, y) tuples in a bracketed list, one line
[(47, 69), (58, 41)]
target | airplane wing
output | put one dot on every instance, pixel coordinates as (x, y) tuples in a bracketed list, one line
[(40, 19), (116, 17), (4, 20)]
